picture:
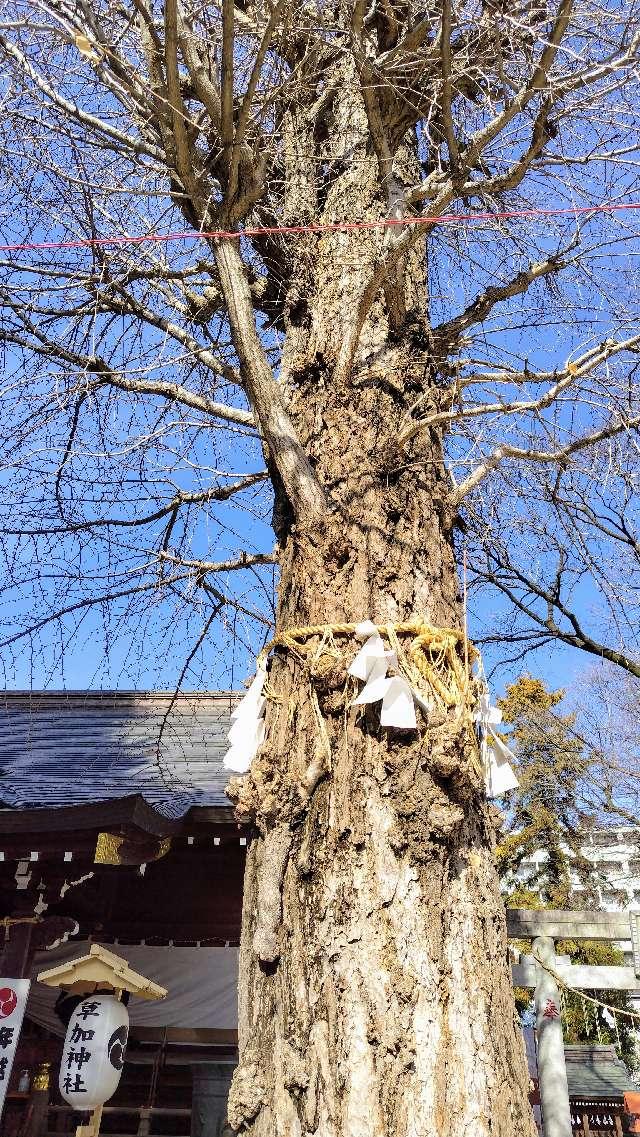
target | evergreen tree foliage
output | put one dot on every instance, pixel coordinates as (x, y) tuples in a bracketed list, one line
[(547, 811)]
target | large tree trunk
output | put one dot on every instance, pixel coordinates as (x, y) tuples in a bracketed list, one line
[(375, 996)]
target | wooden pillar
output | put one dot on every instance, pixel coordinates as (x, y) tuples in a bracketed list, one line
[(39, 1101), (552, 1072), (17, 947), (91, 1128), (586, 1129), (211, 1081), (144, 1122)]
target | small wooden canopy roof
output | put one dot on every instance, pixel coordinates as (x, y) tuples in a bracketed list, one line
[(100, 967)]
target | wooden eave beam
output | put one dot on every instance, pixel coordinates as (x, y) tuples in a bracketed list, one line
[(131, 811), (186, 1035), (208, 815)]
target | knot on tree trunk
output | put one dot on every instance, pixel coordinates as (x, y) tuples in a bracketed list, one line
[(248, 1091), (445, 818), (450, 752), (273, 862), (433, 784), (296, 1075), (296, 755)]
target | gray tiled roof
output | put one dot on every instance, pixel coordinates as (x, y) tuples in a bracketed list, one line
[(70, 748), (596, 1072)]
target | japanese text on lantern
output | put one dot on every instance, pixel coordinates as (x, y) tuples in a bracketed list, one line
[(93, 1053), (78, 1055)]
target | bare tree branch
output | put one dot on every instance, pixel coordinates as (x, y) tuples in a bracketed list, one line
[(557, 457)]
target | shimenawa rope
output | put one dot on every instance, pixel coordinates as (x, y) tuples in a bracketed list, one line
[(432, 655)]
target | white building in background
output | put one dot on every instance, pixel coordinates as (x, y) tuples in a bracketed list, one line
[(615, 854)]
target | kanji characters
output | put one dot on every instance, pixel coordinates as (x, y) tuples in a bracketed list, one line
[(80, 1035), (78, 1057), (73, 1084), (88, 1010), (6, 1036), (551, 1010), (3, 1068)]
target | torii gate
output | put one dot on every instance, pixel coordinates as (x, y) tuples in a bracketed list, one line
[(544, 928)]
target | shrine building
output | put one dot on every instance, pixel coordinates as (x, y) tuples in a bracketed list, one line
[(115, 830)]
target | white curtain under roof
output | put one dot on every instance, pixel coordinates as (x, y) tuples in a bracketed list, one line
[(201, 983)]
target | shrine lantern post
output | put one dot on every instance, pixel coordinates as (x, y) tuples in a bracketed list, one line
[(96, 1040)]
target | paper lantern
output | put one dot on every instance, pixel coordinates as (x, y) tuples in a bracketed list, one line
[(94, 1049)]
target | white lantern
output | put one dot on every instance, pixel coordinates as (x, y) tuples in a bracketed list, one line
[(94, 1049)]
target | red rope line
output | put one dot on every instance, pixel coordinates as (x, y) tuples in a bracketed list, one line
[(329, 227)]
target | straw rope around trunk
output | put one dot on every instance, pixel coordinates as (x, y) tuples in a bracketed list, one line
[(433, 655)]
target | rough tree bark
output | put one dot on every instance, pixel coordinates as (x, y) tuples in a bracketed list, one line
[(375, 997)]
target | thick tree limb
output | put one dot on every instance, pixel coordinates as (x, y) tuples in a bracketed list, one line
[(247, 103), (245, 560), (73, 111), (226, 89), (202, 497), (564, 378), (447, 336), (300, 483), (537, 83), (514, 175), (396, 249), (577, 637), (175, 393), (108, 377), (179, 113), (447, 89)]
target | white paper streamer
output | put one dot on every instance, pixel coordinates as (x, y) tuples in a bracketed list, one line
[(499, 772), (426, 705), (374, 690), (246, 733), (486, 714), (371, 665), (496, 756), (369, 655), (397, 705), (253, 695)]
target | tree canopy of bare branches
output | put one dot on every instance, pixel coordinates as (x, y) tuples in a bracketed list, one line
[(130, 357)]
